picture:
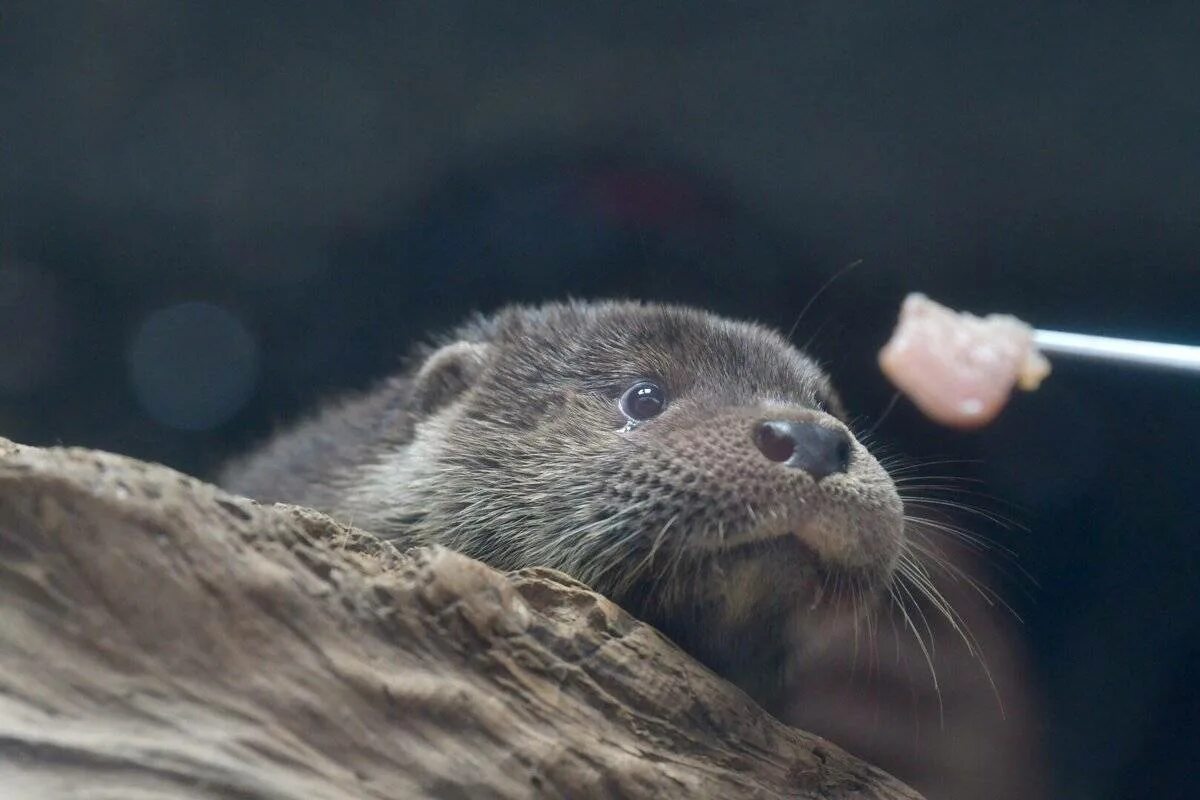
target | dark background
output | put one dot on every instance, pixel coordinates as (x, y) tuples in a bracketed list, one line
[(213, 214)]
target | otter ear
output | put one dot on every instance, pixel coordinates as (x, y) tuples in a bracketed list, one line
[(446, 374)]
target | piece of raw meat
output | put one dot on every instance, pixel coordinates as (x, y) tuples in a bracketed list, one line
[(960, 369)]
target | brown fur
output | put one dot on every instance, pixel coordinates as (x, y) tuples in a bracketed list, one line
[(506, 443)]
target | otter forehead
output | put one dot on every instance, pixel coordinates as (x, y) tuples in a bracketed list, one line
[(603, 346)]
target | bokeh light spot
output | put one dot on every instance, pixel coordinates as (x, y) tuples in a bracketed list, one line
[(193, 365)]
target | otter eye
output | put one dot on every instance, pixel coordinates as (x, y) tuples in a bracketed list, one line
[(642, 401)]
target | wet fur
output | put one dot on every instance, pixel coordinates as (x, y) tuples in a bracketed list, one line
[(505, 442)]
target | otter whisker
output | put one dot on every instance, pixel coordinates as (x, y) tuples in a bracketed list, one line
[(917, 488), (912, 466), (819, 592), (956, 573), (903, 661), (920, 579), (588, 537), (913, 583), (924, 526), (898, 602), (883, 416), (635, 573), (854, 615), (832, 279), (658, 540), (836, 594), (952, 482), (917, 575), (958, 505), (872, 621)]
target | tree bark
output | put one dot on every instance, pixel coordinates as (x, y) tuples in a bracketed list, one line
[(160, 638)]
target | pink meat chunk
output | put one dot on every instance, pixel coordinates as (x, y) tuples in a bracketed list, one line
[(960, 369)]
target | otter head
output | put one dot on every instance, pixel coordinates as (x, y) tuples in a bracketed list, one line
[(697, 471)]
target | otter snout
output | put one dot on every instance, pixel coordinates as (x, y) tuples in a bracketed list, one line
[(816, 449)]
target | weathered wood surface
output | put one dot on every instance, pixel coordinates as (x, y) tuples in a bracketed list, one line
[(159, 638)]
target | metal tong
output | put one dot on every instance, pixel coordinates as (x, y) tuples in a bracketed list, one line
[(1129, 351)]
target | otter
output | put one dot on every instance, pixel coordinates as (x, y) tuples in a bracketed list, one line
[(697, 471)]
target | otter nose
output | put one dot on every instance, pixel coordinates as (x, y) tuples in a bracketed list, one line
[(816, 449)]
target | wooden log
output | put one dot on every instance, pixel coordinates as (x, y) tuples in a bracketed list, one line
[(160, 638)]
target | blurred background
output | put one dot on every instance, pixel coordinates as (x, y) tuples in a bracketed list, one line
[(212, 215)]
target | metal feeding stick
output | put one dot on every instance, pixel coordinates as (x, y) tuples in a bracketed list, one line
[(1129, 351)]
